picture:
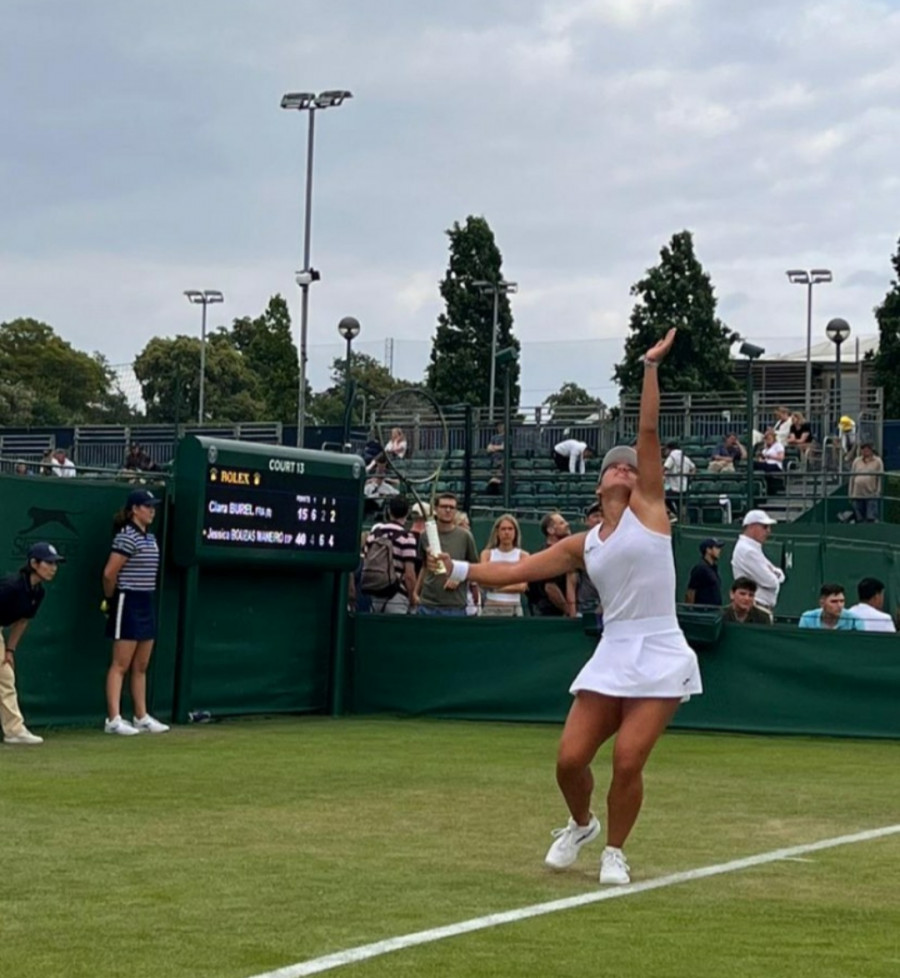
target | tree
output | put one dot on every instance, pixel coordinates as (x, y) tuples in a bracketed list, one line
[(677, 292), (570, 396), (269, 352), (887, 360), (169, 374), (373, 382), (49, 382), (460, 367)]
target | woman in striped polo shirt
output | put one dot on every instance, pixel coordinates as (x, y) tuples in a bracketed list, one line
[(129, 585)]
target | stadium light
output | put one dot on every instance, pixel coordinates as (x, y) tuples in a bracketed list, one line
[(815, 276), (498, 289), (203, 298)]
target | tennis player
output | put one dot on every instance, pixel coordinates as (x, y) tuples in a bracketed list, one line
[(129, 586), (643, 667)]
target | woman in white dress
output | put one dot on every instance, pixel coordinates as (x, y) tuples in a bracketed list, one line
[(643, 667), (503, 546)]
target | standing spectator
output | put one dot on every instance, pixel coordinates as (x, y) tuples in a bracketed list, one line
[(870, 609), (782, 427), (748, 559), (847, 431), (587, 598), (865, 484), (396, 447), (20, 597), (704, 584), (395, 598), (831, 613), (504, 546), (473, 599), (570, 455), (553, 598), (129, 588), (742, 608), (63, 466), (436, 594), (419, 513), (800, 436), (677, 471), (728, 453)]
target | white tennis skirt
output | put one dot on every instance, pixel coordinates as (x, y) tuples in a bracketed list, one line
[(644, 657)]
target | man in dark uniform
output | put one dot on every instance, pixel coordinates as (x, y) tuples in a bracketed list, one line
[(20, 597), (704, 585)]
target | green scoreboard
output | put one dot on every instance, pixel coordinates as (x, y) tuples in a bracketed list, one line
[(247, 503)]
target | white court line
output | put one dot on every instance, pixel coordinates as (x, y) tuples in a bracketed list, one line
[(366, 951)]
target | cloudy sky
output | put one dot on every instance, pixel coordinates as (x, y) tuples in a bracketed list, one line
[(143, 152)]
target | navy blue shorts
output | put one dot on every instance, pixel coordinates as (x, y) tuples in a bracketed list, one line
[(132, 616)]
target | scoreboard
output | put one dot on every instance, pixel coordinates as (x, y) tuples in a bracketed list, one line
[(243, 502)]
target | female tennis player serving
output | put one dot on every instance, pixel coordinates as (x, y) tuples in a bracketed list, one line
[(643, 667)]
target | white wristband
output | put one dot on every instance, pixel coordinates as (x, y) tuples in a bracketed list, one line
[(460, 571)]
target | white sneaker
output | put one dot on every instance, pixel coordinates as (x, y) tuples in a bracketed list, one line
[(569, 841), (119, 726), (613, 867), (25, 737), (149, 724)]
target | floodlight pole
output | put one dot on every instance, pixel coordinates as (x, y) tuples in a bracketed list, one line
[(203, 298), (496, 288), (815, 276)]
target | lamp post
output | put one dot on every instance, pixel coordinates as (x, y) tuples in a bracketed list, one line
[(311, 103), (203, 298), (815, 276), (506, 358), (751, 352), (837, 331), (348, 327), (497, 288)]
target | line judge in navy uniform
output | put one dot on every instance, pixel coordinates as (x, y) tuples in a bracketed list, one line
[(21, 595), (129, 589)]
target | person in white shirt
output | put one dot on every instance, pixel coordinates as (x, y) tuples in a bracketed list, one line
[(771, 461), (677, 468), (748, 559), (782, 428), (870, 592), (569, 455), (63, 466)]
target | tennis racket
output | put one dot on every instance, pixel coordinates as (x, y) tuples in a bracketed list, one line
[(412, 415)]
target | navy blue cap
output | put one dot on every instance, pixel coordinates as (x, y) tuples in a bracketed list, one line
[(141, 497), (710, 542), (45, 552)]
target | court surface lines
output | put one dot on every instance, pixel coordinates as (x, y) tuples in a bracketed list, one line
[(364, 952)]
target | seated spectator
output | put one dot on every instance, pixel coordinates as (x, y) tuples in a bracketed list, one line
[(138, 460), (677, 470), (771, 461), (705, 585), (504, 545), (396, 447), (870, 609), (728, 453), (800, 436), (554, 598), (495, 450), (865, 484), (63, 466), (569, 455), (373, 451), (831, 613), (45, 466), (21, 467), (743, 608)]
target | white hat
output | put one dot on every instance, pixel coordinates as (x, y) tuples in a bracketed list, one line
[(758, 516), (421, 509)]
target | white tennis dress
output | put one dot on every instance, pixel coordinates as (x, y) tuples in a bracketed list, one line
[(643, 652)]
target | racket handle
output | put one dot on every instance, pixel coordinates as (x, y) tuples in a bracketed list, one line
[(434, 541)]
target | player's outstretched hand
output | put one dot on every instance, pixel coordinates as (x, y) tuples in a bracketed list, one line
[(440, 563), (657, 352)]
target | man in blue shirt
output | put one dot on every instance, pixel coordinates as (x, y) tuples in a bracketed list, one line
[(831, 614)]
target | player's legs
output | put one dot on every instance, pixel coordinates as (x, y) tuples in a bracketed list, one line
[(643, 722), (593, 718)]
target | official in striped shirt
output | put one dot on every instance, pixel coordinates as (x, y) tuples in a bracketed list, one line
[(129, 588)]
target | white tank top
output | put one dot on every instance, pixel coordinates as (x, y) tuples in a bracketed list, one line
[(633, 571), (504, 557)]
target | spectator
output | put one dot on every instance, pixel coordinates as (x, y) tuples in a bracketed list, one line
[(782, 426), (394, 599), (63, 466), (847, 432), (373, 452), (436, 594), (742, 608), (554, 598), (831, 613), (570, 455), (865, 484), (587, 599), (870, 609), (20, 598), (495, 450), (46, 463), (21, 467), (705, 585), (800, 436), (473, 599), (419, 513), (137, 460), (748, 559), (677, 470), (728, 453), (396, 446), (771, 461), (504, 546)]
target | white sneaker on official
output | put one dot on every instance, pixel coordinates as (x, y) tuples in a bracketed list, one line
[(569, 841), (25, 736), (613, 867), (119, 726), (149, 724)]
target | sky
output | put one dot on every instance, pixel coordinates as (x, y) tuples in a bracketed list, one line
[(143, 151)]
